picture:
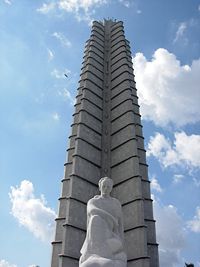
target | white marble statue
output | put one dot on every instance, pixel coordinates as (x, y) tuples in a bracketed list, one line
[(103, 246)]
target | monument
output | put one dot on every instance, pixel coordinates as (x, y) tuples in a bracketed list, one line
[(104, 242), (106, 141)]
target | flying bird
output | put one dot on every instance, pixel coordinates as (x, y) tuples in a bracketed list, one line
[(66, 75)]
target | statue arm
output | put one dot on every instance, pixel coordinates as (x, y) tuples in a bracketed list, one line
[(102, 213), (121, 225), (121, 228)]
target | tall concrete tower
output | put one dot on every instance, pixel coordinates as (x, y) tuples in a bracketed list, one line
[(106, 140)]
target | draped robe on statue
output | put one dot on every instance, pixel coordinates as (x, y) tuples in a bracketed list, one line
[(103, 246)]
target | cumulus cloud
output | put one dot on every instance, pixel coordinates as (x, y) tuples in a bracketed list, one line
[(155, 185), (194, 224), (4, 263), (32, 212), (168, 91), (61, 37), (184, 151), (170, 234)]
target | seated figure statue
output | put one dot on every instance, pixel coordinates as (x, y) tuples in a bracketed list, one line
[(103, 246)]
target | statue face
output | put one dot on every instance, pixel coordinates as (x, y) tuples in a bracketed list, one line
[(106, 186)]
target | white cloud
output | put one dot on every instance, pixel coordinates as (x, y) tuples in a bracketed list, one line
[(60, 74), (170, 234), (180, 31), (66, 95), (77, 5), (4, 263), (196, 181), (177, 178), (46, 8), (50, 54), (56, 116), (183, 152), (168, 91), (83, 10), (194, 224), (8, 2), (32, 212), (157, 145), (63, 40), (125, 3), (155, 185)]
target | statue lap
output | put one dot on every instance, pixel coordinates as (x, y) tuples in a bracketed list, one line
[(103, 246), (95, 261)]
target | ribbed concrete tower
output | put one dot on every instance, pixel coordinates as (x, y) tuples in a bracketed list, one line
[(106, 140)]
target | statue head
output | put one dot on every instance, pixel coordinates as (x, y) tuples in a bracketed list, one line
[(105, 185)]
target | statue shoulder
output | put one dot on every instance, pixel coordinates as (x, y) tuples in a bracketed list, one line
[(93, 199), (116, 201), (96, 197)]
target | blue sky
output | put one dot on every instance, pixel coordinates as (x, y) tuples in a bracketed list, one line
[(40, 41)]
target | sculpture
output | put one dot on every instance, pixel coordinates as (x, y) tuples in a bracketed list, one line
[(103, 245)]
